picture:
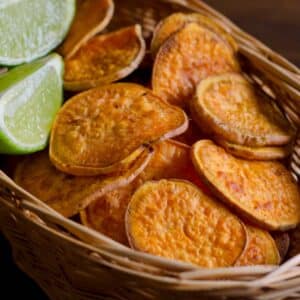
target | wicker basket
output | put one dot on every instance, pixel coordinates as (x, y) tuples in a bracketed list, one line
[(70, 261)]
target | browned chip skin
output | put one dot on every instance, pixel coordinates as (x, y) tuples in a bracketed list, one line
[(104, 59), (256, 153), (230, 108), (262, 191), (260, 250), (187, 57), (92, 16), (170, 159), (175, 219), (69, 194), (103, 129), (176, 21)]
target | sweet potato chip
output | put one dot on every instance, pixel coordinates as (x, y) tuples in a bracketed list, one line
[(262, 191), (171, 159), (256, 153), (100, 130), (104, 59), (261, 249), (92, 16), (176, 21), (187, 57), (230, 108), (69, 194), (282, 240), (175, 219)]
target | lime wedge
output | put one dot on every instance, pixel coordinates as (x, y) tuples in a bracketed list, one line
[(29, 29), (30, 96)]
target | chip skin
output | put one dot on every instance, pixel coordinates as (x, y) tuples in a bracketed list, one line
[(256, 153), (100, 130), (231, 109), (262, 191), (176, 21), (69, 194), (104, 59), (261, 249), (170, 159), (176, 220), (92, 16), (188, 56)]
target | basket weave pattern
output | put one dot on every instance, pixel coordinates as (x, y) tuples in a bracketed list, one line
[(70, 261)]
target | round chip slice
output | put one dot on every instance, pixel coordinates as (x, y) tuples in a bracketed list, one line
[(176, 21), (100, 130), (175, 219), (262, 191), (187, 57), (256, 153), (170, 159), (92, 16), (69, 194), (230, 108), (261, 249), (105, 59)]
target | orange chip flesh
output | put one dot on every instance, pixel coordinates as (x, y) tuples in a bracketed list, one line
[(92, 16), (104, 59), (187, 57), (231, 109), (262, 191), (170, 159), (261, 249), (256, 153), (69, 194), (174, 219), (176, 21), (97, 131)]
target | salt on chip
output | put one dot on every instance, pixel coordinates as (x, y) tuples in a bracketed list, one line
[(105, 59), (264, 192), (103, 129), (69, 194), (188, 56), (176, 220), (91, 17), (170, 159)]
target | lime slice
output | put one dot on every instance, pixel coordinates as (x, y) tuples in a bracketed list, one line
[(29, 29), (30, 96)]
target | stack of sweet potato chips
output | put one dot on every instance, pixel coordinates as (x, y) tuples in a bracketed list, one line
[(187, 169)]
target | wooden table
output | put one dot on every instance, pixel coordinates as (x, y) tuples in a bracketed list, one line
[(276, 22)]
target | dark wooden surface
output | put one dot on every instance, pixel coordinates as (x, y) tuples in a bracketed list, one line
[(276, 22)]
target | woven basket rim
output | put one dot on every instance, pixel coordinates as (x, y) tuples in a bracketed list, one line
[(179, 275)]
